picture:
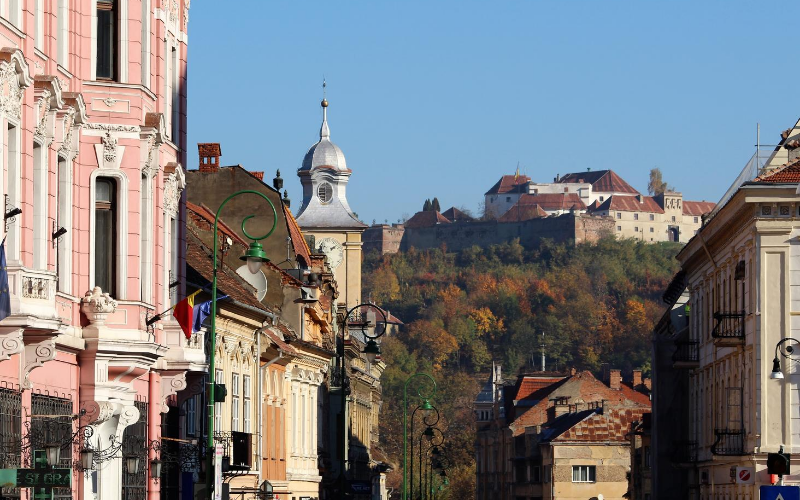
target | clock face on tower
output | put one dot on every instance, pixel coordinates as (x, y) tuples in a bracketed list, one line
[(333, 250)]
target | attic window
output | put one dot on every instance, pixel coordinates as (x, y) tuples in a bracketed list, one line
[(325, 192)]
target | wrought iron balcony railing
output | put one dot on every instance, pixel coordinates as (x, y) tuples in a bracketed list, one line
[(687, 353), (729, 325), (237, 449), (684, 452), (729, 442)]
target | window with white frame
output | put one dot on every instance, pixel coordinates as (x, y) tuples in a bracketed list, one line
[(246, 407), (219, 378), (40, 183), (144, 241), (146, 43), (38, 24), (107, 26), (62, 40), (619, 215), (64, 219), (583, 473), (174, 95), (235, 401), (105, 216), (14, 187), (652, 216)]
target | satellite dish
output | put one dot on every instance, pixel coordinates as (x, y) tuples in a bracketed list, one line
[(257, 281)]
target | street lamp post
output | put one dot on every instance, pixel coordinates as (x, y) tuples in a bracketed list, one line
[(424, 396), (255, 257), (786, 351), (372, 350), (436, 441), (427, 410)]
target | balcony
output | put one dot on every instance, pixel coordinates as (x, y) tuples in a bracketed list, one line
[(729, 442), (684, 453), (237, 451), (729, 329), (687, 354)]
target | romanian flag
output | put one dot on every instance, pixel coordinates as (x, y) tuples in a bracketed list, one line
[(184, 314)]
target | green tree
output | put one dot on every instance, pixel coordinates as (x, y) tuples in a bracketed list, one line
[(426, 207), (435, 205)]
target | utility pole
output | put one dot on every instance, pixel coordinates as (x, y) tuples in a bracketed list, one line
[(542, 346)]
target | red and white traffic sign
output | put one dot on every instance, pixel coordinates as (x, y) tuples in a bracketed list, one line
[(745, 475)]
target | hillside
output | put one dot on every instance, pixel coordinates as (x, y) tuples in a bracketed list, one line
[(596, 303)]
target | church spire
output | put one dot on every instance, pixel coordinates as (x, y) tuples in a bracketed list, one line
[(324, 131)]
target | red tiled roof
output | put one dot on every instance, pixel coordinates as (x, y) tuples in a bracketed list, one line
[(609, 425), (508, 183), (602, 181), (280, 344), (519, 213), (552, 201), (298, 241), (698, 208), (454, 214), (631, 204), (788, 173), (205, 213), (427, 218), (536, 388), (228, 282), (582, 386)]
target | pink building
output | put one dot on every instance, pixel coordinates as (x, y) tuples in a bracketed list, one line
[(93, 128)]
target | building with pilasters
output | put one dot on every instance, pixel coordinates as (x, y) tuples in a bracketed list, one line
[(734, 299), (93, 127)]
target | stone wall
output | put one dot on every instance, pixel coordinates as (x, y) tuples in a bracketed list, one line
[(383, 238), (460, 235)]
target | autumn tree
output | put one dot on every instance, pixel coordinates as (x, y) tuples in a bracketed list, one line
[(656, 184)]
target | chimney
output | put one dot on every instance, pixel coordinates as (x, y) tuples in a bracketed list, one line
[(209, 156), (648, 383), (560, 406), (640, 198), (637, 378), (573, 371), (258, 175), (614, 379)]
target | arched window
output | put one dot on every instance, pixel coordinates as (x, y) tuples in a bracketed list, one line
[(105, 211), (325, 192)]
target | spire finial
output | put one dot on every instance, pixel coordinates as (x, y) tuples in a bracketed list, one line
[(324, 131)]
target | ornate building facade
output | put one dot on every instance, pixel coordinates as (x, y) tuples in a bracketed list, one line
[(93, 127)]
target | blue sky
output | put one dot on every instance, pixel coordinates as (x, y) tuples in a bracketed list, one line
[(441, 97)]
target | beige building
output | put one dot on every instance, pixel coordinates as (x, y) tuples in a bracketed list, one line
[(557, 436), (664, 217), (740, 274)]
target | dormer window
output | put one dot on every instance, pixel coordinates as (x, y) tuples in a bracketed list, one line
[(325, 192)]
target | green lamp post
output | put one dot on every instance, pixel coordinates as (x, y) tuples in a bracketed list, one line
[(426, 397), (254, 257)]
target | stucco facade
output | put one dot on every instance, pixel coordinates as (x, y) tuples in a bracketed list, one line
[(94, 145), (739, 273)]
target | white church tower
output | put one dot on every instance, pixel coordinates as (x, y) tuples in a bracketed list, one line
[(326, 215)]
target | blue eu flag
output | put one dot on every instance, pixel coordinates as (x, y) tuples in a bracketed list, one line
[(5, 298)]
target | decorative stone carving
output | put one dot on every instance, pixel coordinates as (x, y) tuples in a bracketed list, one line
[(127, 416), (10, 91), (43, 109), (172, 13), (36, 288), (97, 305), (171, 385), (69, 123), (97, 412), (173, 187), (185, 18), (112, 128), (35, 356), (10, 344), (109, 147), (110, 102)]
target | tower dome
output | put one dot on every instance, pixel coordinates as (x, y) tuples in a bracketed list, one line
[(324, 153)]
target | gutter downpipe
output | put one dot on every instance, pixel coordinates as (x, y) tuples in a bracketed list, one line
[(262, 370)]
